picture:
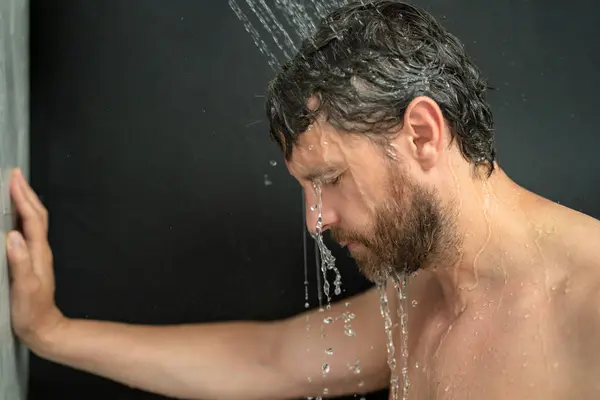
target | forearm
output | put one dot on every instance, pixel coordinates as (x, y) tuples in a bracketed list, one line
[(207, 361)]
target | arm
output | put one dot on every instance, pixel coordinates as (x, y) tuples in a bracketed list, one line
[(233, 360)]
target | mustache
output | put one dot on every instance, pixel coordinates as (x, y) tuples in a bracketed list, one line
[(340, 235)]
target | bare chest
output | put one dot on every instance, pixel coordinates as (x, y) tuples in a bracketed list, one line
[(490, 352)]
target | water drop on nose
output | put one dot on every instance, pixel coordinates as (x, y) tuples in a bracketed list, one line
[(273, 163)]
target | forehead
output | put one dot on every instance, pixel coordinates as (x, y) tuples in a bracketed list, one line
[(323, 150)]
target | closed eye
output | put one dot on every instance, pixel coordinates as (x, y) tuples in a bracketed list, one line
[(335, 180)]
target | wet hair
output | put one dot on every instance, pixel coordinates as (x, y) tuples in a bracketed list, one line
[(365, 63)]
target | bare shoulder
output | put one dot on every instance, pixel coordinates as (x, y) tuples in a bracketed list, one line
[(575, 237), (579, 321)]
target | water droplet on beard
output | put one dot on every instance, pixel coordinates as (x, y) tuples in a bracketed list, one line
[(273, 163)]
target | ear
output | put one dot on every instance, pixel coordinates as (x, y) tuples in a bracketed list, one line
[(424, 126)]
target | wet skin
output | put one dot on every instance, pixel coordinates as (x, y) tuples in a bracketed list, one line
[(510, 313), (506, 308)]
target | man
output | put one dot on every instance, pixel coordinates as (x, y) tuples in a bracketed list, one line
[(383, 121)]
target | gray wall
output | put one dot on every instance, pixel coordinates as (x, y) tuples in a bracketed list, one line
[(14, 132)]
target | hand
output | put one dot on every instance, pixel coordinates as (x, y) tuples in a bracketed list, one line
[(34, 313)]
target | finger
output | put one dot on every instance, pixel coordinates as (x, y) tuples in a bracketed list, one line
[(33, 224), (20, 265), (32, 196)]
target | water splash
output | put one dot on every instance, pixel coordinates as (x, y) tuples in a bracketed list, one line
[(327, 259)]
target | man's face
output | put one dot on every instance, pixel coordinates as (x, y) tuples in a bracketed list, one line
[(389, 222)]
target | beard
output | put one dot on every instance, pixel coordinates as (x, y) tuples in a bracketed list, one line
[(411, 231)]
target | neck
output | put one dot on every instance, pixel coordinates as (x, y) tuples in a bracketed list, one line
[(489, 217)]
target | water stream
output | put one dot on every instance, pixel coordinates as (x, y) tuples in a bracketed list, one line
[(285, 23)]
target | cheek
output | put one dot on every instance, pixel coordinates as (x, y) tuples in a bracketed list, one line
[(361, 191), (353, 204)]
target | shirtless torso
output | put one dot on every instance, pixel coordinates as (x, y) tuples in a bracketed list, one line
[(533, 337)]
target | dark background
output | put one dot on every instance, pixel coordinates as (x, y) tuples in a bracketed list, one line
[(150, 149)]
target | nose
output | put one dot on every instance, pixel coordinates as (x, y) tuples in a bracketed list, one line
[(328, 214)]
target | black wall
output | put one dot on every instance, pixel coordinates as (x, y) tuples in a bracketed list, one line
[(150, 147)]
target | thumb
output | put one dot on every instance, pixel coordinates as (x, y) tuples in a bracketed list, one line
[(18, 256)]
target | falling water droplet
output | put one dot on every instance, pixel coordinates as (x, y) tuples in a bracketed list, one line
[(267, 180), (273, 163)]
